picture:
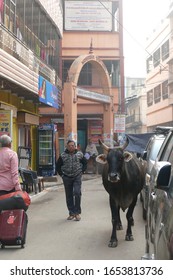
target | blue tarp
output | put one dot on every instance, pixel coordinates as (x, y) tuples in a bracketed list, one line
[(138, 142)]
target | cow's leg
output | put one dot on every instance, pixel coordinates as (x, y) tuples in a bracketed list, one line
[(130, 222), (114, 212), (119, 223)]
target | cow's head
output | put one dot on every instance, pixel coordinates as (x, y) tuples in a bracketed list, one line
[(115, 159)]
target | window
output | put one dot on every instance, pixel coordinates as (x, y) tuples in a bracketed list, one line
[(9, 12), (165, 89), (116, 19), (157, 94), (156, 58), (167, 150), (165, 50), (155, 148), (113, 70), (65, 68), (170, 159), (85, 77), (149, 64), (38, 32), (12, 15), (150, 98)]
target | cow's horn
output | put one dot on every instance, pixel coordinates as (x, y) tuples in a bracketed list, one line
[(103, 145), (125, 144)]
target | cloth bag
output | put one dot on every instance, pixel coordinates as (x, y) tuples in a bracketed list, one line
[(15, 200)]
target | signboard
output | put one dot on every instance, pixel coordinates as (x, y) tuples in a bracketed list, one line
[(48, 93), (95, 130), (119, 123), (95, 96), (46, 126), (88, 15), (6, 122)]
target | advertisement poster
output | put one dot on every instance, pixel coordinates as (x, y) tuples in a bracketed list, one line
[(95, 130), (6, 122), (48, 93)]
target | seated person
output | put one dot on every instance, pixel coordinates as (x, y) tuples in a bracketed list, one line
[(91, 150)]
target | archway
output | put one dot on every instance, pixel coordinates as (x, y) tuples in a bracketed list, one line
[(71, 92)]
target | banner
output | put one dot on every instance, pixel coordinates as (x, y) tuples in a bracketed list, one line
[(86, 269), (88, 15), (119, 123), (6, 122), (48, 93)]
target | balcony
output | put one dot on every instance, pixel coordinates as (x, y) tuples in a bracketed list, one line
[(15, 48), (133, 121)]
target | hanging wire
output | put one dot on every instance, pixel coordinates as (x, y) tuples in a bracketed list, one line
[(133, 38)]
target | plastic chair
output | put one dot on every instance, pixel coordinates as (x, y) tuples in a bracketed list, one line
[(29, 178)]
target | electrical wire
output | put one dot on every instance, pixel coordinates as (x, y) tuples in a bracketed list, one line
[(133, 38), (160, 64)]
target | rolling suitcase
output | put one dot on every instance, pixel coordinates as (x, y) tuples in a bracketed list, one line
[(13, 226)]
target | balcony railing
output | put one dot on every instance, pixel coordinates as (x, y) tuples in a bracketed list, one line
[(13, 46), (133, 120)]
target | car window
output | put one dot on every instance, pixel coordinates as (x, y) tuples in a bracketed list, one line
[(171, 184), (167, 150), (155, 148), (149, 149), (170, 158)]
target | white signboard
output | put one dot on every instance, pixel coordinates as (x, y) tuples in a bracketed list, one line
[(88, 15), (93, 95), (119, 123)]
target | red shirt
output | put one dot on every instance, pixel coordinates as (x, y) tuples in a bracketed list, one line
[(9, 177)]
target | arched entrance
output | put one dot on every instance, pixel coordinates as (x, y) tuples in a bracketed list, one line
[(71, 92)]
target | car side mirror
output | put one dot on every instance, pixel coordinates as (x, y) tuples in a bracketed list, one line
[(164, 177)]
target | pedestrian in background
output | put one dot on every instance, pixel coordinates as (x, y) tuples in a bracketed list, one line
[(9, 178), (91, 149), (90, 154), (70, 166)]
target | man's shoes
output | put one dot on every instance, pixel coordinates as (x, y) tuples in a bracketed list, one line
[(77, 217), (71, 217)]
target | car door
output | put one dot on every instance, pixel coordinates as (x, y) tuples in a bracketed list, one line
[(164, 216), (156, 196), (155, 203), (161, 225), (164, 224)]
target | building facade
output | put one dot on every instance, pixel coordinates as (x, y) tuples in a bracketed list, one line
[(92, 29), (136, 105), (43, 45), (30, 50), (159, 75)]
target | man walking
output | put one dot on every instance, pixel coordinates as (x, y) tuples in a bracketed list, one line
[(70, 166)]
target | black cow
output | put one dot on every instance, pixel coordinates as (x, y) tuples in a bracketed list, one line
[(123, 178)]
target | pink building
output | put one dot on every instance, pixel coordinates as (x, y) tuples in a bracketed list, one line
[(92, 59), (159, 80)]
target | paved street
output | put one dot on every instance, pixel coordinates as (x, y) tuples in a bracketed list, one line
[(51, 236)]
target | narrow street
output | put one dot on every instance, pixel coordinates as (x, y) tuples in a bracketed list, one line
[(51, 237)]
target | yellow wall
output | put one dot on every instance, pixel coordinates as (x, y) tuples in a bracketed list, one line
[(34, 146), (20, 104), (15, 135)]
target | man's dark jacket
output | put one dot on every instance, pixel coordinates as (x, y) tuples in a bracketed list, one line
[(71, 165)]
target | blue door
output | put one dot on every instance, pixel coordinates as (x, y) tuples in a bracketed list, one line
[(81, 138)]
